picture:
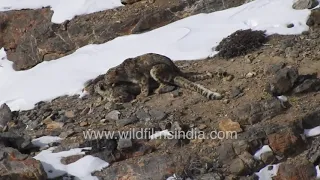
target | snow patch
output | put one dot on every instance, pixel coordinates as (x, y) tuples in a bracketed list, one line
[(164, 133), (63, 9), (81, 169), (312, 132), (318, 172), (282, 98), (45, 140)]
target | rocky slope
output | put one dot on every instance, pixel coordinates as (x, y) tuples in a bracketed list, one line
[(285, 65)]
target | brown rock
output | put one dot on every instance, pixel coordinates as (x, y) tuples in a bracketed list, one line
[(54, 125), (314, 18), (47, 120), (69, 114), (248, 160), (83, 123), (240, 146), (255, 112), (15, 24), (237, 167), (285, 142), (296, 171), (202, 126), (71, 159), (282, 81), (268, 158), (229, 125), (226, 152), (12, 166)]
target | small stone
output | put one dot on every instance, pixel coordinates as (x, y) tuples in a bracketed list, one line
[(268, 158), (290, 25), (124, 143), (85, 111), (157, 115), (304, 4), (240, 146), (127, 121), (54, 125), (249, 58), (113, 106), (83, 123), (69, 114), (47, 120), (71, 159), (228, 78), (226, 152), (103, 121), (176, 126), (308, 85), (226, 101), (229, 125), (202, 126), (250, 74), (237, 167), (5, 115), (248, 160), (66, 134), (113, 115), (176, 93), (236, 92), (142, 115)]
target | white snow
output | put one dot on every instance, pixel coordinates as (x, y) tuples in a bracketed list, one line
[(187, 39), (266, 174), (81, 169), (45, 140), (264, 149), (160, 134), (318, 172), (312, 132), (63, 9), (282, 98)]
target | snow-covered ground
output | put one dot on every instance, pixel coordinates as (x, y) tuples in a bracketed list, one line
[(63, 9), (81, 169), (44, 141), (190, 38)]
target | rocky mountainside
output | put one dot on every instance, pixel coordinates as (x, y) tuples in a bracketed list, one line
[(251, 84)]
